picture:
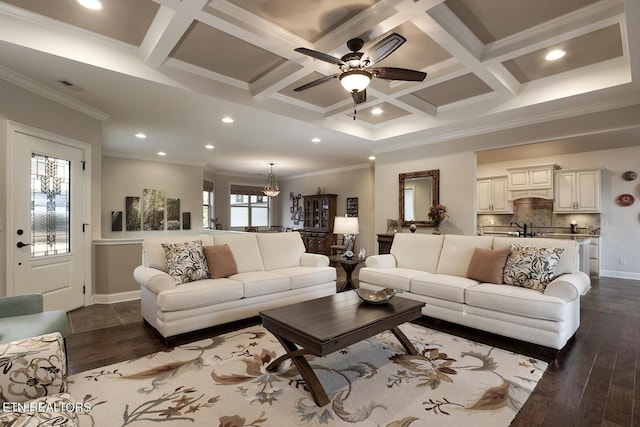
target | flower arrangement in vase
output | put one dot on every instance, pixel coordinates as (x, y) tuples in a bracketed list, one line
[(437, 214)]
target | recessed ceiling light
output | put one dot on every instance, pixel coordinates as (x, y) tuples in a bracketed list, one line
[(554, 55), (376, 111), (372, 157), (209, 147), (227, 119), (161, 153), (91, 4), (316, 140), (140, 135)]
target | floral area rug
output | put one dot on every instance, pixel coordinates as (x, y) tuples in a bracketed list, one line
[(222, 381)]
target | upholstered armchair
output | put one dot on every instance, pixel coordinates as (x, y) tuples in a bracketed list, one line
[(23, 316), (33, 383)]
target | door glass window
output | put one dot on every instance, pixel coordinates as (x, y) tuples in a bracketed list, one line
[(50, 206)]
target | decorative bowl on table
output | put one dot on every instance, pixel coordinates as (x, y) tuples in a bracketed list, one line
[(376, 297)]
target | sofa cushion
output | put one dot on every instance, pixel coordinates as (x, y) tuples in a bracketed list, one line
[(442, 286), (396, 278), (257, 283), (153, 252), (487, 265), (280, 250), (302, 277), (32, 325), (457, 251), (530, 266), (244, 247), (568, 258), (417, 251), (202, 293), (186, 261), (516, 300), (220, 261)]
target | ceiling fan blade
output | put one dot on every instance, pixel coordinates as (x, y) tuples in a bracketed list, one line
[(359, 97), (383, 48), (315, 82), (319, 55), (393, 73)]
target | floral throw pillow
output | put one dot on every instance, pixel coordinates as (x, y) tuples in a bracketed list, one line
[(530, 266), (186, 261)]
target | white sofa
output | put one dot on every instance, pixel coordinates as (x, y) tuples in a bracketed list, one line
[(433, 269), (273, 270)]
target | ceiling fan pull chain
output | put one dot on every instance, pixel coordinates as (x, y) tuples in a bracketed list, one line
[(354, 111)]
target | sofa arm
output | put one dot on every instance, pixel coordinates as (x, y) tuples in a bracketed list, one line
[(314, 260), (19, 305), (381, 261), (153, 279), (569, 286), (32, 368)]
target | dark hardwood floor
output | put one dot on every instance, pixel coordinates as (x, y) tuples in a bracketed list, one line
[(593, 381)]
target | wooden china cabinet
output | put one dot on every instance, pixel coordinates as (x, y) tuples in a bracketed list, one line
[(319, 213)]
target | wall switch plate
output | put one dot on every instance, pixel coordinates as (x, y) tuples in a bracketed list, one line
[(622, 261)]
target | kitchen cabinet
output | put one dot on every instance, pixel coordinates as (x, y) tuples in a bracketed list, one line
[(531, 181), (577, 191), (319, 214), (492, 196)]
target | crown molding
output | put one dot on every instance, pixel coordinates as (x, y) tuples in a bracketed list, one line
[(329, 171), (46, 92), (156, 159)]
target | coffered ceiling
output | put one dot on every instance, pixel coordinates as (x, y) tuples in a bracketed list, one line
[(172, 69)]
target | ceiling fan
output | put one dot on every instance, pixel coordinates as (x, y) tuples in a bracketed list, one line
[(356, 69)]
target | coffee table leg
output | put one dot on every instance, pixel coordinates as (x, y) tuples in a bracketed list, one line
[(310, 379), (408, 346)]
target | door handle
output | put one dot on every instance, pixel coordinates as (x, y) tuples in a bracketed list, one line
[(22, 245)]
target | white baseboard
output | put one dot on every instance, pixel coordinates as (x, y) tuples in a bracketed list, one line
[(620, 274), (113, 298)]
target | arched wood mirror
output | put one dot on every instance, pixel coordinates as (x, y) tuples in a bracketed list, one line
[(418, 192)]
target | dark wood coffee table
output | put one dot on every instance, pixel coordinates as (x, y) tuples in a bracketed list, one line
[(324, 325)]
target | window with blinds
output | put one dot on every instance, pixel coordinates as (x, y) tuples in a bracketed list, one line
[(249, 206)]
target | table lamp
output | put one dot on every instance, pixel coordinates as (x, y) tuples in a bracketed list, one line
[(349, 227)]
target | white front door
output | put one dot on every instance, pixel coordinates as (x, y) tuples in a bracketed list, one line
[(46, 242)]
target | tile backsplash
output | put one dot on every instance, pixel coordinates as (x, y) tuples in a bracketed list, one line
[(539, 212)]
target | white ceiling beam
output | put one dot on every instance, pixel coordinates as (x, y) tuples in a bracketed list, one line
[(582, 21), (167, 29)]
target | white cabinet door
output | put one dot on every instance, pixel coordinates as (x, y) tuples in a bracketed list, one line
[(577, 191), (499, 193), (565, 192), (492, 195), (588, 190), (484, 195)]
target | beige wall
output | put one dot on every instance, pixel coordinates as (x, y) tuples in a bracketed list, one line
[(351, 182), (25, 107), (457, 186), (126, 177), (114, 267)]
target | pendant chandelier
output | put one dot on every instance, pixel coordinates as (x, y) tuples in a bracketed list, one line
[(271, 189)]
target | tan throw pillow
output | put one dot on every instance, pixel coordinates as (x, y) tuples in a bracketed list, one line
[(487, 265), (220, 261)]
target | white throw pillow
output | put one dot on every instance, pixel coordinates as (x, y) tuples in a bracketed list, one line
[(530, 266), (186, 261)]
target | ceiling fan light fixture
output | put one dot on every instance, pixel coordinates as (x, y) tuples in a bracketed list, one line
[(271, 189), (355, 80)]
